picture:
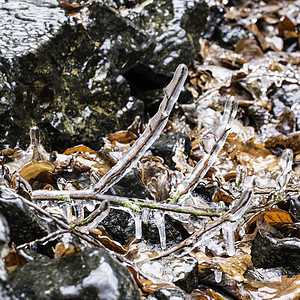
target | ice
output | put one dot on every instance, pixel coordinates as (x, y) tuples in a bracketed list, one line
[(286, 162), (155, 126), (218, 276), (145, 214), (190, 183), (241, 206), (136, 215), (138, 225), (105, 209), (90, 205), (159, 218), (228, 229), (79, 210)]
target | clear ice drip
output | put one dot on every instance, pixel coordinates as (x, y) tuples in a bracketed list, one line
[(228, 229), (286, 162), (159, 218), (79, 210), (136, 215), (218, 276)]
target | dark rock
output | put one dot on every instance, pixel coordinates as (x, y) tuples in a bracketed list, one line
[(284, 98), (220, 30), (175, 27), (271, 252), (295, 207), (131, 185), (164, 146), (5, 289), (25, 223), (72, 86), (89, 274), (167, 294), (184, 271), (121, 226)]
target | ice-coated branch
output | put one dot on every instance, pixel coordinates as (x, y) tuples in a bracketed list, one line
[(155, 126), (130, 203), (235, 213), (206, 162)]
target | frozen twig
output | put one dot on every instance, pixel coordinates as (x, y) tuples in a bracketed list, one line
[(130, 203), (235, 211), (151, 133), (206, 162)]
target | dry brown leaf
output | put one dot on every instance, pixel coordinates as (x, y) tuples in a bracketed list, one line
[(123, 137), (36, 170), (14, 259), (62, 249), (79, 148), (235, 266), (281, 288), (275, 217), (209, 294)]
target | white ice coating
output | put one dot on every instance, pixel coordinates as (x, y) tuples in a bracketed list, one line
[(104, 213), (159, 218), (228, 229), (206, 162), (138, 225), (286, 162), (151, 133), (218, 276)]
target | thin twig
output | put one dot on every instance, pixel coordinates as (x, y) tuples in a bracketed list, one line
[(43, 239), (121, 201)]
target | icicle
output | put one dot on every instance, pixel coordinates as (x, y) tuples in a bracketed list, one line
[(136, 214), (286, 162), (67, 211), (218, 276), (138, 225), (228, 229), (145, 214), (90, 205), (159, 218), (79, 210)]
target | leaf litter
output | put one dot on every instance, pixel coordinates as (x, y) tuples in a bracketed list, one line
[(240, 150)]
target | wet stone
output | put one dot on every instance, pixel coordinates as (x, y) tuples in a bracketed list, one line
[(121, 226), (72, 85), (25, 223), (295, 207), (5, 289), (169, 294), (175, 27), (16, 38), (219, 29), (287, 98), (89, 274), (184, 271), (164, 146), (131, 185), (270, 252)]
